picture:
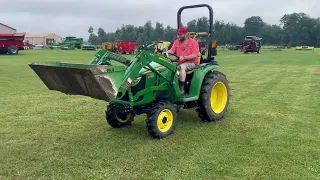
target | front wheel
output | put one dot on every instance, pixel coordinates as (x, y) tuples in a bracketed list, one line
[(161, 120), (13, 50), (118, 120), (214, 97)]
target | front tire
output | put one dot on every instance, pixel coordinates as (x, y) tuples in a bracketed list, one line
[(161, 120), (13, 50), (214, 97), (118, 120)]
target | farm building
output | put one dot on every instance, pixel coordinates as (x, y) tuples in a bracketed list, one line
[(5, 29), (43, 39)]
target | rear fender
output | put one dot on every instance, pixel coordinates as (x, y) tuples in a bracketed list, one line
[(198, 77)]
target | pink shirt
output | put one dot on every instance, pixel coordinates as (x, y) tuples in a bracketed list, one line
[(190, 48)]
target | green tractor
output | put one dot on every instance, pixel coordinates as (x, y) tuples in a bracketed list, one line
[(147, 84)]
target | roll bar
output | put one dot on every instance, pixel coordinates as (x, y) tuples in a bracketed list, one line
[(196, 6), (211, 51)]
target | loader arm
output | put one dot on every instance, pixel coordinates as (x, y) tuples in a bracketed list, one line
[(142, 61), (101, 80), (104, 57)]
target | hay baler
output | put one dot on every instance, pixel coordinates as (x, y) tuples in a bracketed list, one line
[(147, 84)]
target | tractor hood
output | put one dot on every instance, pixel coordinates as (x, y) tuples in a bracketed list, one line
[(96, 81), (153, 64)]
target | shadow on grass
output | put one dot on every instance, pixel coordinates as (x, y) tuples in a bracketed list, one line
[(188, 121)]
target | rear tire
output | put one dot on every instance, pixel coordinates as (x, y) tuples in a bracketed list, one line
[(118, 120), (13, 50), (161, 120), (214, 97)]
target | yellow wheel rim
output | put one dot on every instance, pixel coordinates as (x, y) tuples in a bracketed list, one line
[(218, 98), (165, 120), (121, 119)]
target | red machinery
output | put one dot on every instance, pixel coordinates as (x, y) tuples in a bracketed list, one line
[(125, 47), (251, 44), (27, 44), (11, 43)]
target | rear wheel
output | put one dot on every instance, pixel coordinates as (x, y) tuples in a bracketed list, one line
[(118, 120), (13, 50), (161, 120), (214, 97)]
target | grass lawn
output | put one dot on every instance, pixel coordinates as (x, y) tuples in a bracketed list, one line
[(271, 130)]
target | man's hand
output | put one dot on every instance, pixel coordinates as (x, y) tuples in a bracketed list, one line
[(181, 58)]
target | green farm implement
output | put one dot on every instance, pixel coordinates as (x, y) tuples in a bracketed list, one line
[(71, 41), (68, 43), (147, 84), (88, 47)]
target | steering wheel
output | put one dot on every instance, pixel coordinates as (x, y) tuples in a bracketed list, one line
[(167, 55)]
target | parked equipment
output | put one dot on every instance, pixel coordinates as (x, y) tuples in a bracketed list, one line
[(163, 46), (72, 41), (146, 85), (201, 37), (27, 45), (109, 46), (251, 44), (233, 47), (11, 43), (126, 47), (88, 47), (67, 47), (305, 48)]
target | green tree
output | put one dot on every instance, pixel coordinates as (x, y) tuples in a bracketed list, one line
[(203, 24), (295, 29), (101, 35), (192, 26), (90, 30), (254, 26), (93, 39), (170, 34), (298, 29), (159, 30)]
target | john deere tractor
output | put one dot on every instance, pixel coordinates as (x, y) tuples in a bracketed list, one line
[(147, 84)]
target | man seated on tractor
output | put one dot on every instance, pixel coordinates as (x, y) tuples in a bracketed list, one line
[(187, 49)]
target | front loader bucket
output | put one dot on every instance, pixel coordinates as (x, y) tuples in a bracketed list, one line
[(96, 81)]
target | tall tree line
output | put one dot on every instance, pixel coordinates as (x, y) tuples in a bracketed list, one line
[(294, 29)]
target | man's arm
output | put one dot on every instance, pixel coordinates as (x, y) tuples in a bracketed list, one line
[(173, 49)]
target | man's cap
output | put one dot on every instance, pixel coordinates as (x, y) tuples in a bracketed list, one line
[(182, 30)]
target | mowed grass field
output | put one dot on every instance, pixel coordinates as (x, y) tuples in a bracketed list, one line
[(271, 129)]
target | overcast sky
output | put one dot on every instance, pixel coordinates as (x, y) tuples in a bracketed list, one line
[(74, 17)]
